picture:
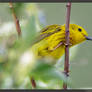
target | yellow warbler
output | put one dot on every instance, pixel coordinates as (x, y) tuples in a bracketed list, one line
[(51, 42)]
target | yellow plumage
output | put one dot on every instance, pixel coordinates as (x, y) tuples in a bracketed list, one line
[(51, 42)]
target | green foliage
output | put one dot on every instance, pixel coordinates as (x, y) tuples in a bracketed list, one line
[(18, 8), (29, 31), (46, 72)]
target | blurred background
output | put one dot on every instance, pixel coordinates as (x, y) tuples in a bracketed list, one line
[(14, 52)]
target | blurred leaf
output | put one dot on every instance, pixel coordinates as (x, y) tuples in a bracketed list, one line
[(18, 7), (46, 72), (29, 31)]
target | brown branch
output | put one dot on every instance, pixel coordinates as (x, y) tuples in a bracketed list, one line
[(19, 34), (66, 63), (15, 20), (33, 82)]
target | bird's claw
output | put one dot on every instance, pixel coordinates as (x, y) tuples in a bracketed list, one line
[(68, 44)]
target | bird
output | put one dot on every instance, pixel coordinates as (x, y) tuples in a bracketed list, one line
[(50, 44)]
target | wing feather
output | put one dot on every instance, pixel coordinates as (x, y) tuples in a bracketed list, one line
[(47, 31)]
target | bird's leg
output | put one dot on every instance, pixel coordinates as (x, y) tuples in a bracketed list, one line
[(61, 43)]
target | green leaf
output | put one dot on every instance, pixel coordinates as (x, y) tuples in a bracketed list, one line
[(46, 72), (29, 31)]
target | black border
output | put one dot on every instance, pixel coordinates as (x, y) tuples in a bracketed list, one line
[(42, 90), (47, 1)]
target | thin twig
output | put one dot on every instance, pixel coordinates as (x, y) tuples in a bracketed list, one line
[(33, 82), (15, 20), (19, 35), (66, 63)]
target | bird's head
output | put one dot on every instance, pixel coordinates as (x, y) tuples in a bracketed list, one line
[(78, 34)]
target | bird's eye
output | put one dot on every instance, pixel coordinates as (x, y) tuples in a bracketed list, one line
[(79, 29)]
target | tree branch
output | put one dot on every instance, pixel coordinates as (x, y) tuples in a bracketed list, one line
[(66, 63), (33, 82), (15, 20), (19, 35)]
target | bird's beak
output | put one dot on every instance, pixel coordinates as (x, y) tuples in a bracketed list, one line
[(88, 38)]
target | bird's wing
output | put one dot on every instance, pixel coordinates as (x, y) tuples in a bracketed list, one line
[(47, 31)]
